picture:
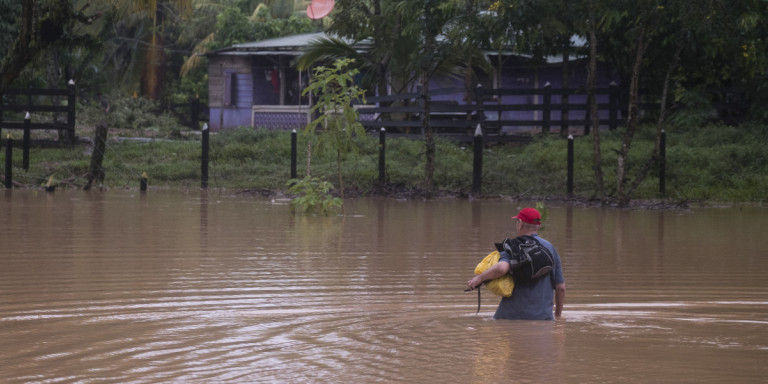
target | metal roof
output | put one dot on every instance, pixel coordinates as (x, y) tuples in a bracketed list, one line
[(287, 45), (295, 44)]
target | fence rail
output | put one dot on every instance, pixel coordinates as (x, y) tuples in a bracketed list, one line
[(13, 101), (498, 111)]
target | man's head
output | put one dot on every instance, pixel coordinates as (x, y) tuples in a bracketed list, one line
[(528, 219), (529, 215)]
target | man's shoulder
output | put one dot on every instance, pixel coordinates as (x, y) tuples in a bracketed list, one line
[(543, 241)]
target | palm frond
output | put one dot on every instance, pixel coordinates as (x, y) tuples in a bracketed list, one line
[(328, 50), (197, 54)]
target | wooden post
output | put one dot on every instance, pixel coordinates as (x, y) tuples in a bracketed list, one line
[(50, 186), (547, 111), (9, 162), (204, 161), (26, 142), (294, 152), (71, 108), (382, 155), (143, 182), (613, 101), (477, 168), (570, 166), (663, 163)]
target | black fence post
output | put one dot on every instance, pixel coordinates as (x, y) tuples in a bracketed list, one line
[(570, 166), (547, 109), (480, 104), (71, 108), (27, 140), (9, 162), (477, 169), (382, 155), (613, 101), (663, 163), (205, 156), (294, 152)]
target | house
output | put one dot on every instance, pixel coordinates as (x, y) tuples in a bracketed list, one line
[(257, 85)]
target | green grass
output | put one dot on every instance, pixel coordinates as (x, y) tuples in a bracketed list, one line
[(712, 163)]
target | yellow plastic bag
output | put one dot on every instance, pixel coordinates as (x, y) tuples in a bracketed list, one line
[(501, 286)]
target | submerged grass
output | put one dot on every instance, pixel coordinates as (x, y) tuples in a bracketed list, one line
[(713, 163)]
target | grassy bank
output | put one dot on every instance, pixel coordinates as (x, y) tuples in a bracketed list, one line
[(713, 163)]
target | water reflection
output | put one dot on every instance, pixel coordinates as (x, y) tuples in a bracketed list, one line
[(213, 287)]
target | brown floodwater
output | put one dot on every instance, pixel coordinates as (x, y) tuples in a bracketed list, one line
[(124, 287)]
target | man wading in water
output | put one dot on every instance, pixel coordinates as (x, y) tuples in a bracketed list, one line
[(530, 300)]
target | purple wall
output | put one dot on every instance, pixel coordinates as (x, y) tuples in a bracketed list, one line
[(241, 96), (262, 87)]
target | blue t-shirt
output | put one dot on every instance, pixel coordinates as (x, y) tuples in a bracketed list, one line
[(535, 300)]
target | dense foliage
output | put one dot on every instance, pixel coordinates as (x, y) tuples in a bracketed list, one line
[(688, 57)]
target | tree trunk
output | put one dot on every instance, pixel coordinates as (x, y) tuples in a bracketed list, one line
[(96, 170), (429, 168), (660, 122), (54, 78), (591, 86), (564, 97), (429, 138), (309, 158), (338, 170), (153, 68), (633, 118), (383, 64)]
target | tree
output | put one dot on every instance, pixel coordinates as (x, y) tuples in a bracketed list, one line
[(42, 24), (641, 27), (592, 28), (338, 120), (159, 12), (9, 12), (541, 28), (404, 52), (727, 50), (693, 45), (432, 18), (249, 21), (356, 21)]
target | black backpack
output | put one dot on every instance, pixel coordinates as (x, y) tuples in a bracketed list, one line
[(529, 260)]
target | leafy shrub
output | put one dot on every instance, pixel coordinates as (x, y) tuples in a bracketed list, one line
[(314, 196)]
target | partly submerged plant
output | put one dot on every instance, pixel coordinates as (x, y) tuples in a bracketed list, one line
[(314, 196)]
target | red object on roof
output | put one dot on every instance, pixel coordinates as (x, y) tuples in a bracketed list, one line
[(318, 9)]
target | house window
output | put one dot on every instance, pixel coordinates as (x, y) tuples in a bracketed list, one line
[(230, 88)]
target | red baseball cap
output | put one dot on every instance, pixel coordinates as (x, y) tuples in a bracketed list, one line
[(529, 215)]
